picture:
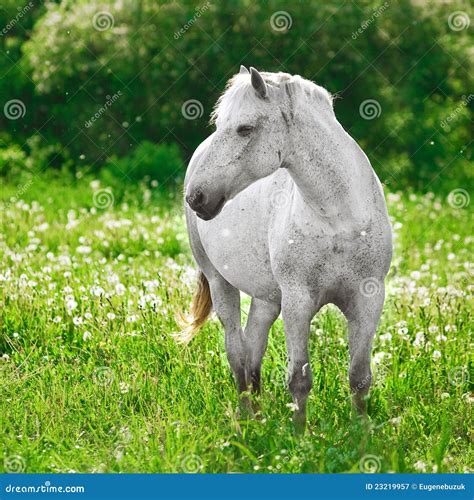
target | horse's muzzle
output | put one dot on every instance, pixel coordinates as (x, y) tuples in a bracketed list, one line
[(205, 209)]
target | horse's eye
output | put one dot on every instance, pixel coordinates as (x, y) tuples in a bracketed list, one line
[(244, 130)]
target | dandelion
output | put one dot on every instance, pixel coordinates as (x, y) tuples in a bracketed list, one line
[(86, 335), (420, 466), (419, 340), (468, 398), (403, 332), (118, 453), (77, 320), (57, 319), (124, 387), (386, 337), (97, 291), (441, 338), (396, 420), (111, 316), (71, 304), (433, 328), (436, 355)]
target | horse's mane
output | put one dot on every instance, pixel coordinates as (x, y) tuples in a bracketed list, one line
[(239, 90)]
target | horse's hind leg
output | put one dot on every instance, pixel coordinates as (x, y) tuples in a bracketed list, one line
[(363, 314), (226, 304), (261, 317)]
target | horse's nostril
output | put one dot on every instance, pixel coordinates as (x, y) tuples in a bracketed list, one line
[(195, 199)]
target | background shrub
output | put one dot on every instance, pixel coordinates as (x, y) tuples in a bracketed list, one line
[(152, 57)]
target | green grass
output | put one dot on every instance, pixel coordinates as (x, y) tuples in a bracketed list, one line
[(104, 387)]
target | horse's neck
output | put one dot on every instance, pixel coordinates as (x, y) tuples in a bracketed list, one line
[(331, 173)]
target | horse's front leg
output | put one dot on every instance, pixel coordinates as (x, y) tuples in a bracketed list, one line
[(298, 310), (226, 304), (261, 317), (363, 314)]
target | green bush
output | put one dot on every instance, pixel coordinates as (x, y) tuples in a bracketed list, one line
[(13, 160), (129, 67), (159, 162), (35, 157)]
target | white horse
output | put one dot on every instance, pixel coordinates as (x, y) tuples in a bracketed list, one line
[(283, 205)]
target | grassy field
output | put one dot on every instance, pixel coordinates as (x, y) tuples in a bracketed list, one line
[(92, 380)]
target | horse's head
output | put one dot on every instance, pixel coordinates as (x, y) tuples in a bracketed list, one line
[(252, 140)]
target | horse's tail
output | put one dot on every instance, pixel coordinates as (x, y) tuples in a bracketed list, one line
[(201, 307)]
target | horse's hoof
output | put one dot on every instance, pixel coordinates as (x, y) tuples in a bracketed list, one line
[(360, 405), (299, 422), (245, 410)]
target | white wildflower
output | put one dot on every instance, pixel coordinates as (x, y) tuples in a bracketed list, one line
[(436, 355), (420, 466)]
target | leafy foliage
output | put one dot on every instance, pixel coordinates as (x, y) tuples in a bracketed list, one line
[(157, 55)]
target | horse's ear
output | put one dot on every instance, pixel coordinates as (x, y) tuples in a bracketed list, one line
[(243, 70), (258, 83)]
